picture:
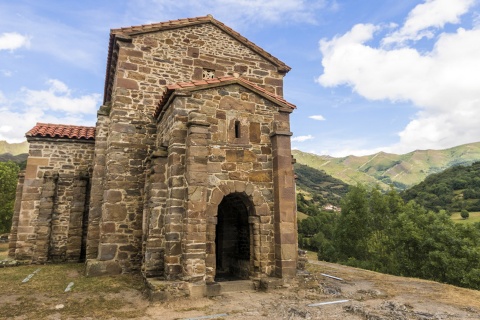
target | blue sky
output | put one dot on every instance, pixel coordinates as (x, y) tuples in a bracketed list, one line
[(367, 76)]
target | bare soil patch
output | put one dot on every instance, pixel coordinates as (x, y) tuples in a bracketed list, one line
[(370, 295)]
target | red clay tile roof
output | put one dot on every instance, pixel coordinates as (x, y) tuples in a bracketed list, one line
[(61, 131), (172, 24), (201, 84)]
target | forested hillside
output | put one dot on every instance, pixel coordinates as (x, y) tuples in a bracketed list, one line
[(321, 186), (455, 189), (381, 232)]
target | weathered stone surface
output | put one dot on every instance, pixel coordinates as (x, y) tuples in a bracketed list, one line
[(211, 174)]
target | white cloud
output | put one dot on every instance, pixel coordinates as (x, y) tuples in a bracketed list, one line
[(56, 104), (12, 41), (6, 73), (443, 83), (318, 117), (2, 98), (432, 14), (302, 138), (58, 97)]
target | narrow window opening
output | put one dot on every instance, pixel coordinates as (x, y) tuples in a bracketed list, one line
[(237, 129)]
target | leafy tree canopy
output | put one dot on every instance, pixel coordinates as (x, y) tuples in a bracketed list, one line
[(8, 184)]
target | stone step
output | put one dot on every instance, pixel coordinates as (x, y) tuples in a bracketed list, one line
[(236, 286)]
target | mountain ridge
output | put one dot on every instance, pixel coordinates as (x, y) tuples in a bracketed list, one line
[(13, 148), (386, 169)]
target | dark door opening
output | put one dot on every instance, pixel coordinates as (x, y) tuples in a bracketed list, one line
[(232, 240)]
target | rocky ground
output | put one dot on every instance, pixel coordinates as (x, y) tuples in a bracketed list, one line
[(370, 295)]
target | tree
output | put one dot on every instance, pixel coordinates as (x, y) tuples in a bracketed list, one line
[(8, 184), (464, 213), (352, 230)]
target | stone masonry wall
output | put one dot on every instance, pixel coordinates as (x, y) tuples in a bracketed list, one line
[(97, 183), (207, 160), (143, 66), (52, 199), (178, 55)]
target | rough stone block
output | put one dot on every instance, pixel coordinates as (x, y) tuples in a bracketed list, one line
[(127, 84), (95, 268), (107, 252)]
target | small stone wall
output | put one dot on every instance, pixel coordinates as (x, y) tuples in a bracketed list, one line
[(52, 200)]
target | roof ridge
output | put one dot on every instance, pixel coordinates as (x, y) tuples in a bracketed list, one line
[(158, 24)]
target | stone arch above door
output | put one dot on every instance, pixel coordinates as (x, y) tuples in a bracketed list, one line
[(260, 218)]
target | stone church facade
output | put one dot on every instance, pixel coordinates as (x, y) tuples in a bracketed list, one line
[(187, 176)]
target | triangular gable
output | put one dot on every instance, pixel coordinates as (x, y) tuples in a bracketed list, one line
[(219, 82), (173, 24), (128, 32)]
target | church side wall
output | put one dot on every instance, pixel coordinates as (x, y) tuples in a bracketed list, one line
[(51, 198)]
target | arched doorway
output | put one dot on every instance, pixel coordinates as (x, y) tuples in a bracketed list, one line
[(233, 238)]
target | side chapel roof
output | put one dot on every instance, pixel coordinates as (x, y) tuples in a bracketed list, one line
[(216, 82), (180, 23), (61, 131)]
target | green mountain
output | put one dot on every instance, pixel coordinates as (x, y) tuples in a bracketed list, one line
[(454, 189), (323, 188), (385, 169), (13, 148)]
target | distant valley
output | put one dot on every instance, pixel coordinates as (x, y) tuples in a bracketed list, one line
[(382, 169), (385, 169)]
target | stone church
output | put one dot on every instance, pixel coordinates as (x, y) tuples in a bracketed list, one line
[(187, 176)]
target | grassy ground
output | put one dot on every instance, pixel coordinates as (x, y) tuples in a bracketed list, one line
[(474, 217), (3, 251), (301, 215), (371, 295), (42, 296)]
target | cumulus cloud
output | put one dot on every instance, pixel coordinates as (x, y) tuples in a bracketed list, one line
[(56, 104), (425, 17), (58, 97), (317, 117), (442, 83), (302, 138), (12, 41)]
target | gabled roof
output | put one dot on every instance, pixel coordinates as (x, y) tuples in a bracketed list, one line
[(180, 23), (61, 131), (217, 82)]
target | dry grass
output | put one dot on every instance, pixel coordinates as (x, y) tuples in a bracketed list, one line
[(3, 251), (99, 298), (301, 216), (120, 297)]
